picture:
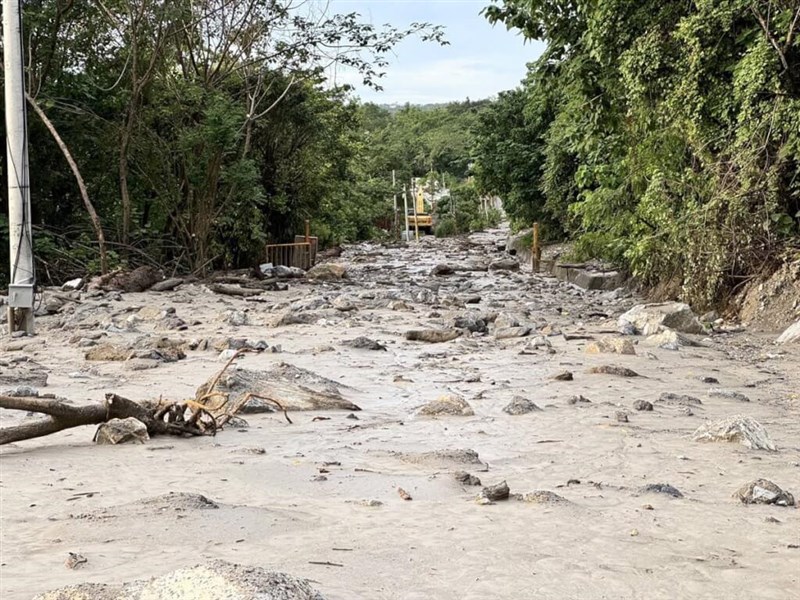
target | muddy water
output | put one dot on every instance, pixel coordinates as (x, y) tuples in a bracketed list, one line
[(326, 490)]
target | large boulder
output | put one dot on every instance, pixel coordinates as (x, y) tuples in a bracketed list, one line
[(739, 429), (327, 272), (648, 319), (217, 579), (792, 334), (450, 404), (763, 491)]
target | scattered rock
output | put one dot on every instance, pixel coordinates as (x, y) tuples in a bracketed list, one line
[(121, 431), (140, 364), (669, 339), (364, 343), (707, 379), (471, 324), (447, 405), (505, 320), (432, 336), (661, 488), (730, 394), (520, 406), (542, 497), (403, 494), (621, 417), (563, 376), (647, 319), (75, 560), (344, 304), (579, 400), (327, 272), (216, 579), (72, 285), (742, 429), (678, 399), (465, 478), (108, 352), (506, 333), (504, 264), (493, 493), (442, 269), (763, 491), (643, 405), (613, 370), (611, 346)]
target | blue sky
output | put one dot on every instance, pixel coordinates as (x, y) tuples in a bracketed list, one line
[(480, 61)]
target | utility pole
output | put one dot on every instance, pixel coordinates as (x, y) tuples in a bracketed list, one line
[(394, 195), (414, 204), (22, 281), (405, 212)]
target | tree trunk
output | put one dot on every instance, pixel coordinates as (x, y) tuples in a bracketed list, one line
[(62, 416), (98, 228)]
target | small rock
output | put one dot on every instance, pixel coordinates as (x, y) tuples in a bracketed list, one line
[(763, 491), (504, 264), (542, 497), (669, 339), (579, 400), (447, 405), (404, 494), (643, 405), (364, 343), (661, 488), (507, 333), (72, 285), (678, 399), (465, 478), (611, 346), (432, 336), (494, 493), (730, 394), (707, 379), (613, 370), (75, 560), (621, 416), (442, 269), (327, 272), (140, 364), (520, 406), (472, 324), (344, 304), (108, 352), (564, 376), (371, 503), (121, 431)]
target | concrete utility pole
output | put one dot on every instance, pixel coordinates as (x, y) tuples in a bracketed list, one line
[(405, 212), (21, 285), (394, 195)]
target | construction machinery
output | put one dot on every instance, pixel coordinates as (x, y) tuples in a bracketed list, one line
[(419, 218)]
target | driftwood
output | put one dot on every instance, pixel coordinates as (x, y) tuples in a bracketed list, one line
[(62, 416), (233, 290)]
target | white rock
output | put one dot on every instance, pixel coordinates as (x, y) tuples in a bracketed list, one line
[(648, 319), (791, 335)]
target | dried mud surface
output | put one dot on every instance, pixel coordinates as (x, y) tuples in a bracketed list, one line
[(319, 498)]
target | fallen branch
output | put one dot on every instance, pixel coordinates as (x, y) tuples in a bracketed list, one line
[(233, 290), (61, 416)]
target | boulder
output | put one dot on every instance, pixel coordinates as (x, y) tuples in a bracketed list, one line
[(791, 335), (506, 333), (613, 370), (216, 579), (763, 491), (493, 493), (617, 345), (472, 324), (669, 339), (327, 272), (504, 320), (449, 404), (121, 431), (742, 429), (648, 319), (643, 405)]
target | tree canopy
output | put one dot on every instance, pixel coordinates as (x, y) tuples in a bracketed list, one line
[(662, 135)]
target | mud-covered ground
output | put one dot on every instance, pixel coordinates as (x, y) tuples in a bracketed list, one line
[(319, 498)]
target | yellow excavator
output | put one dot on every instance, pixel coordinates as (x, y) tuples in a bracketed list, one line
[(419, 219)]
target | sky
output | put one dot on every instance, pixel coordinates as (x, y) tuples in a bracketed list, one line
[(480, 61)]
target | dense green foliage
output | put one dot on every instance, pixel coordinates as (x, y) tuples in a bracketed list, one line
[(663, 135), (201, 129)]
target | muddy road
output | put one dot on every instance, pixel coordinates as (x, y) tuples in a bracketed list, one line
[(610, 495)]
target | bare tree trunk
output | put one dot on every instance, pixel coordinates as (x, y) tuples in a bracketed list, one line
[(98, 228), (62, 416), (123, 179)]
